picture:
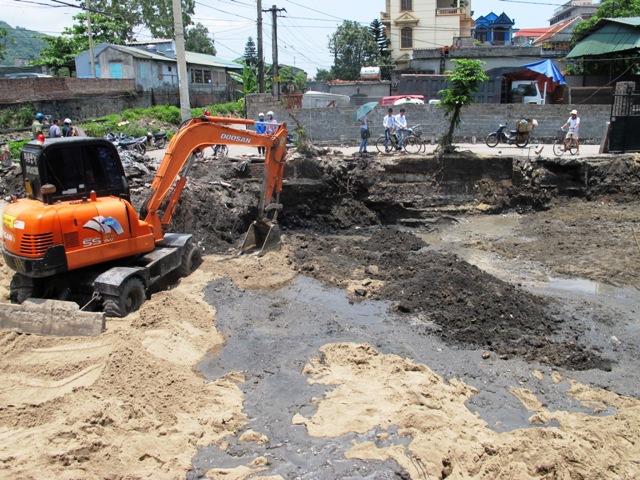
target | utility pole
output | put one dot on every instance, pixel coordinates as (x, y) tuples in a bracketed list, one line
[(181, 60), (260, 51), (274, 46), (90, 35)]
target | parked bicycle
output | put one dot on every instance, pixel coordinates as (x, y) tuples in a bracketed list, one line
[(559, 146), (412, 141)]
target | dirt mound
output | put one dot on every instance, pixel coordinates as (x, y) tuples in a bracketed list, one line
[(462, 303)]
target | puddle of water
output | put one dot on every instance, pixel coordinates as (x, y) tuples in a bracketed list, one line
[(582, 285)]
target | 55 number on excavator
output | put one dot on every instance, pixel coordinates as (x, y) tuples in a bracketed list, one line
[(76, 236)]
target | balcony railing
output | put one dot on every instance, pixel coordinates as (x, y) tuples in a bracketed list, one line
[(450, 11)]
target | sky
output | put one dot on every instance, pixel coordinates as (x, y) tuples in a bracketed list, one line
[(302, 30)]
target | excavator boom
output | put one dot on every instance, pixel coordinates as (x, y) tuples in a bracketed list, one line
[(76, 237), (195, 135)]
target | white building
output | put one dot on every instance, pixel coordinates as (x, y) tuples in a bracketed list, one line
[(424, 24)]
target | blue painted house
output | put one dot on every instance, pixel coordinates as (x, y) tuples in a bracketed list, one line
[(494, 29), (153, 67)]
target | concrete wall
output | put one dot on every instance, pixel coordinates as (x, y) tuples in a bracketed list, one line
[(336, 125)]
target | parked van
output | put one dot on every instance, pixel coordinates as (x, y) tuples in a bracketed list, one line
[(400, 99), (313, 99)]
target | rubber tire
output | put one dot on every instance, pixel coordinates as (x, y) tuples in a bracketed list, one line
[(572, 148), (520, 143), (223, 151), (491, 140), (132, 297), (191, 259), (21, 288), (413, 145), (161, 143), (558, 148), (380, 144)]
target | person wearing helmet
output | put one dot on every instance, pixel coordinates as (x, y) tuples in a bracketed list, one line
[(273, 123), (261, 128), (574, 125), (36, 126), (67, 129)]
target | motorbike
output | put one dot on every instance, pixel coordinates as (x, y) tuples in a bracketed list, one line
[(157, 140), (128, 143), (519, 137)]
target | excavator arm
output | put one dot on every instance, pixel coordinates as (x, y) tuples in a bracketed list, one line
[(198, 133)]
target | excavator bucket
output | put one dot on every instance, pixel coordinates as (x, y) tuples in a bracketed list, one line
[(262, 237)]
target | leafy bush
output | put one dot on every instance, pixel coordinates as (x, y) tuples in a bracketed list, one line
[(16, 148), (20, 119)]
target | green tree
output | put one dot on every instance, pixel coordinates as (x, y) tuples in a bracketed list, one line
[(385, 61), (353, 47), (464, 81), (322, 75), (250, 53), (74, 40), (3, 35), (300, 82), (619, 63), (155, 15), (58, 52), (198, 40)]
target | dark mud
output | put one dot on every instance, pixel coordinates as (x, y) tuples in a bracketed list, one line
[(465, 305)]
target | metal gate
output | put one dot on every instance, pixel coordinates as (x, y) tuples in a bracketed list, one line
[(624, 129)]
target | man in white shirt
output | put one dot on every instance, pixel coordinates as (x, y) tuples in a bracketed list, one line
[(389, 124), (574, 125), (401, 127)]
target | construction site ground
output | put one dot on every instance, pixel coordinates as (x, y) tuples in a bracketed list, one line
[(471, 316)]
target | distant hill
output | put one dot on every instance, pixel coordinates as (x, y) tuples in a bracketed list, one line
[(21, 43)]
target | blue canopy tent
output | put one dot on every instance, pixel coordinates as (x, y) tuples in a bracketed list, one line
[(544, 72)]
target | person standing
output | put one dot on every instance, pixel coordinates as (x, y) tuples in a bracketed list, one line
[(389, 124), (364, 134), (574, 125), (272, 123), (54, 129), (401, 127), (67, 129), (261, 128), (36, 126)]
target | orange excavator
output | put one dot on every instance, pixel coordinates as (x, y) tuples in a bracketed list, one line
[(76, 236)]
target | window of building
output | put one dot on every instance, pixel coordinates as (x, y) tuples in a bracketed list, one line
[(406, 5), (115, 69), (406, 37)]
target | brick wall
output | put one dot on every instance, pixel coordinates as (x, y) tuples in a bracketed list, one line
[(55, 88), (76, 98), (336, 125)]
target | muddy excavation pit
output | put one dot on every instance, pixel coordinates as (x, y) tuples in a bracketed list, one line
[(502, 274), (457, 264)]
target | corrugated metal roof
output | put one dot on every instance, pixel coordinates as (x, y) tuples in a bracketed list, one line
[(611, 35), (212, 61), (558, 32), (191, 57), (139, 53)]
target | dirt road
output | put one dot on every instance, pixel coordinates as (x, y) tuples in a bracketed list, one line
[(450, 344)]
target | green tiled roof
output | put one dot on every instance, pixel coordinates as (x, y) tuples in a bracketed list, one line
[(611, 35)]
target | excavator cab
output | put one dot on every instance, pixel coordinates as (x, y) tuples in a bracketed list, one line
[(72, 168)]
